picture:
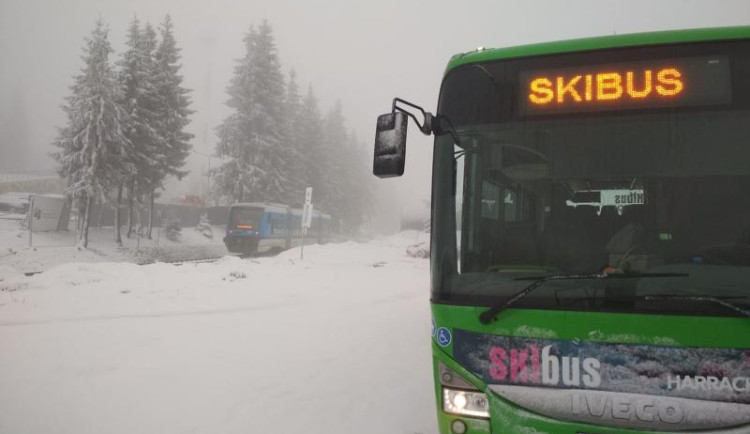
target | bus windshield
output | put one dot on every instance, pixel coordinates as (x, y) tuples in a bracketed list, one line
[(629, 161), (245, 218)]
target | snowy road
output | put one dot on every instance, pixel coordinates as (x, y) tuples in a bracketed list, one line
[(337, 343)]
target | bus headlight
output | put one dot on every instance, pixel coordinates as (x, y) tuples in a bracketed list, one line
[(465, 403)]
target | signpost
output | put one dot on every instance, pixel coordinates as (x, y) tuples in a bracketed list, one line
[(307, 211), (31, 220)]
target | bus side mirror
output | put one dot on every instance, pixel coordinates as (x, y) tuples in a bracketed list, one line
[(390, 145)]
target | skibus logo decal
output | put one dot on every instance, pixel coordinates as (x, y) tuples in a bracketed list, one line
[(717, 374), (513, 365)]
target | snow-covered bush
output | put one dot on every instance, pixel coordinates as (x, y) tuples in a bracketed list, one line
[(174, 231), (204, 227)]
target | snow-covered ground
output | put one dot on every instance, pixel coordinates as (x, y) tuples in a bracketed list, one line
[(53, 248), (336, 343)]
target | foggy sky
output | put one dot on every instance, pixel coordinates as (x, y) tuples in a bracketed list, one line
[(363, 53)]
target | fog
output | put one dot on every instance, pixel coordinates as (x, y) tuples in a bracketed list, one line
[(363, 53)]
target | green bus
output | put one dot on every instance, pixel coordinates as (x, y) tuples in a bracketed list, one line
[(590, 248)]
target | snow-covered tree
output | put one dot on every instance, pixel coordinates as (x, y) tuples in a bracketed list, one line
[(335, 139), (251, 138), (294, 141), (358, 192), (92, 145), (173, 112), (139, 100), (347, 194), (310, 130)]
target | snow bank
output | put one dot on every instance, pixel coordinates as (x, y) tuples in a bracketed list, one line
[(337, 343)]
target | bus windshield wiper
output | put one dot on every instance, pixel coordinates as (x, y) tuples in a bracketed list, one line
[(491, 314), (698, 298)]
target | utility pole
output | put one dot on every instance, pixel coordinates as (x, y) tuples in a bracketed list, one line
[(208, 174)]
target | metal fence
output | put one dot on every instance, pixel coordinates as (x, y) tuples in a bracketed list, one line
[(186, 216)]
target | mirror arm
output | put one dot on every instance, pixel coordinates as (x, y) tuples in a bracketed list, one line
[(423, 127), (431, 124)]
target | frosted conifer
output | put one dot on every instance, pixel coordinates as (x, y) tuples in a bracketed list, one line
[(310, 129), (92, 144), (139, 100), (251, 138), (334, 148), (173, 112), (294, 140)]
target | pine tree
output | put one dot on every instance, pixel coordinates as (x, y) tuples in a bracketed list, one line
[(310, 130), (92, 144), (252, 136), (359, 191), (334, 148), (139, 100), (296, 163), (173, 113)]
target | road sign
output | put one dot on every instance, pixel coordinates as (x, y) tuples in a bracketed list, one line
[(307, 212)]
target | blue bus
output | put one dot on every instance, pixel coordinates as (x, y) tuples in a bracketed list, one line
[(256, 227)]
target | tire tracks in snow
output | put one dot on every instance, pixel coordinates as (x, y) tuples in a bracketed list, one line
[(204, 312), (89, 318)]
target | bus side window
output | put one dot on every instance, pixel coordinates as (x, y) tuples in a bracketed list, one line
[(490, 208), (277, 226), (517, 204)]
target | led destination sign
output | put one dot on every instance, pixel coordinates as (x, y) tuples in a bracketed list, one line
[(636, 85)]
